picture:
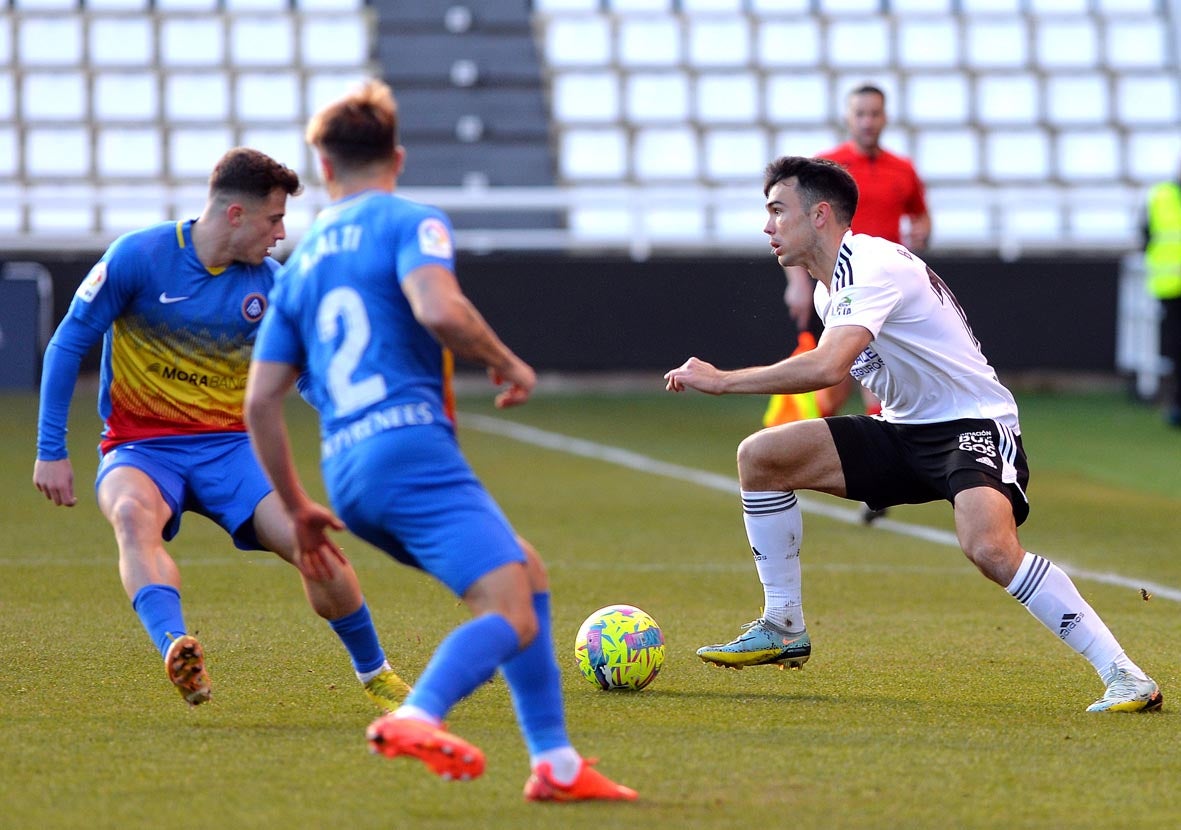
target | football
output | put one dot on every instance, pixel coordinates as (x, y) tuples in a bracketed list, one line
[(619, 647)]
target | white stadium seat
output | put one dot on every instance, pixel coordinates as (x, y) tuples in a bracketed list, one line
[(948, 155), (1066, 44), (797, 98), (50, 41), (55, 152), (735, 154), (262, 41), (719, 41), (1088, 156), (592, 155), (1147, 99), (1136, 44), (122, 41), (791, 42), (129, 153), (936, 98), (665, 153), (928, 43), (268, 96), (644, 42), (1012, 98), (1017, 155), (337, 40), (859, 43), (197, 96), (125, 96), (582, 97), (1077, 98), (996, 43), (192, 41), (54, 96), (651, 97), (1152, 154), (727, 98), (192, 152), (577, 41)]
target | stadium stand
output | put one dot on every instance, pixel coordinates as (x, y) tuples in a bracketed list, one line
[(1029, 119)]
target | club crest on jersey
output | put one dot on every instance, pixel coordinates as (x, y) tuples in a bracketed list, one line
[(253, 306), (88, 290), (434, 239)]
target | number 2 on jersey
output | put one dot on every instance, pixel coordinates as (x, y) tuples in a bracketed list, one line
[(342, 314)]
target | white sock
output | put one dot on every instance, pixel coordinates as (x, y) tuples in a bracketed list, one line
[(405, 711), (775, 528), (1050, 595), (564, 763), (365, 677)]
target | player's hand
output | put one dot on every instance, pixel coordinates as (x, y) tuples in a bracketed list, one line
[(316, 554), (520, 379), (56, 480), (694, 374)]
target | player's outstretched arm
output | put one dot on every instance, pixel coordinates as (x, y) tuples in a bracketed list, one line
[(441, 306), (820, 368)]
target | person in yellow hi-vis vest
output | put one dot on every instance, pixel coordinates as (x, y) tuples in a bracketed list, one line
[(1162, 263)]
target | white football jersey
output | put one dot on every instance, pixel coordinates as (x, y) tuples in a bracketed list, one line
[(923, 363)]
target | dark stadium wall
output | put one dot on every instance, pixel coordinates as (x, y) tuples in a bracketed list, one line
[(591, 313)]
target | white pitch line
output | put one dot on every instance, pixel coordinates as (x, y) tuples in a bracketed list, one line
[(642, 463)]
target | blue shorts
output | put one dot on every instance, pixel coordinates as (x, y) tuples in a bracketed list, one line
[(410, 492), (216, 475)]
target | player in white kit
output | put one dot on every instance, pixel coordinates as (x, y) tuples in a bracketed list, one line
[(948, 430)]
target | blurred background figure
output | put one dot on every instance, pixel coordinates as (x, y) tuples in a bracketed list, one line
[(1162, 263)]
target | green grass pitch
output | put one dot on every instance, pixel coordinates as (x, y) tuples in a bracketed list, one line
[(932, 698)]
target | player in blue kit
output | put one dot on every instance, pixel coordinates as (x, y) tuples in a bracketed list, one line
[(369, 303), (177, 306)]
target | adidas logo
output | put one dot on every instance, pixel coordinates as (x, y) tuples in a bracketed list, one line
[(1069, 621), (758, 556), (986, 460)]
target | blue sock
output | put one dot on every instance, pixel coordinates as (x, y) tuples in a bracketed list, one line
[(467, 657), (536, 687), (158, 607), (359, 636)]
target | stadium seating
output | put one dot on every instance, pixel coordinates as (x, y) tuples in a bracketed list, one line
[(994, 99), (115, 109)]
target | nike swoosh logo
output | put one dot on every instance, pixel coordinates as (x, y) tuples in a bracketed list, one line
[(164, 298)]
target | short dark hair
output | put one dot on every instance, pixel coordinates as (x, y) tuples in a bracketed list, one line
[(818, 180), (358, 129), (247, 172), (868, 89)]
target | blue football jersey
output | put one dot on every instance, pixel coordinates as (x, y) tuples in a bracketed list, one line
[(337, 310), (177, 336)]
